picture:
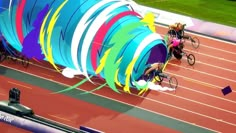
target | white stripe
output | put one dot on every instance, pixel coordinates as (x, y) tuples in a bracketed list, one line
[(80, 28), (97, 23), (9, 8), (146, 41)]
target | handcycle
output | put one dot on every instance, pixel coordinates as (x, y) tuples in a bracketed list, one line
[(13, 55), (159, 77), (181, 35), (179, 53)]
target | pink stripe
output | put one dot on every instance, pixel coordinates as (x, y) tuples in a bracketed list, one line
[(19, 20), (98, 40)]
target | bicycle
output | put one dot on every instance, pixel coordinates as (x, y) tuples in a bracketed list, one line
[(194, 40), (14, 56), (159, 77), (179, 53)]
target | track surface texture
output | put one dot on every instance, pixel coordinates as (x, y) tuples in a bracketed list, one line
[(198, 104)]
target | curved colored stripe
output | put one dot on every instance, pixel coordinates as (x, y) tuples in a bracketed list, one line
[(111, 64), (98, 40), (80, 28), (19, 16), (94, 27), (128, 74), (9, 8), (49, 31), (146, 41)]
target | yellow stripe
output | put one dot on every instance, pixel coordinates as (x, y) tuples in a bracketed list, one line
[(128, 74), (194, 81), (42, 35), (49, 31), (59, 118), (164, 67), (102, 61), (116, 78), (19, 85)]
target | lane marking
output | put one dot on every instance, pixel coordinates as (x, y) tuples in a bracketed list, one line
[(135, 105), (47, 75), (58, 117), (220, 77), (2, 94), (194, 90), (200, 62), (228, 111), (19, 85), (218, 58), (210, 95), (186, 78), (218, 49), (198, 82), (211, 38)]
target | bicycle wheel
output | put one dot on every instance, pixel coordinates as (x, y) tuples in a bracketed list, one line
[(173, 82), (2, 57), (25, 61), (195, 42), (191, 59)]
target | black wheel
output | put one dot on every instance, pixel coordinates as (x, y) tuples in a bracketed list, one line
[(2, 57), (195, 42), (191, 59), (173, 82), (25, 61), (177, 54)]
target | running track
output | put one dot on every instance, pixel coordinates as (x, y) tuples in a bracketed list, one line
[(198, 100)]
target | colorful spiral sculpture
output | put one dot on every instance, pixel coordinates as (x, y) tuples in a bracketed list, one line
[(104, 38)]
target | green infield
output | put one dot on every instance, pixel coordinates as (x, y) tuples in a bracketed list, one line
[(218, 11)]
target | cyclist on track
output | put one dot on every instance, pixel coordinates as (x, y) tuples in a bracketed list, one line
[(157, 67), (174, 42), (179, 28)]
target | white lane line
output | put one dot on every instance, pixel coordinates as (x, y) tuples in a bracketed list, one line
[(218, 49), (204, 93), (205, 73), (215, 57), (121, 101), (201, 82), (228, 111), (226, 69), (153, 100), (228, 100)]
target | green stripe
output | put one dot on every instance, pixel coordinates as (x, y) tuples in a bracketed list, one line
[(104, 102)]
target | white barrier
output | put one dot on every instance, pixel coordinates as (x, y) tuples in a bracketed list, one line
[(162, 17)]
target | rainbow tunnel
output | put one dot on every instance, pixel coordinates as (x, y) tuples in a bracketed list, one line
[(105, 38)]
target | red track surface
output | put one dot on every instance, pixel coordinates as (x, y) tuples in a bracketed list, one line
[(198, 99)]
